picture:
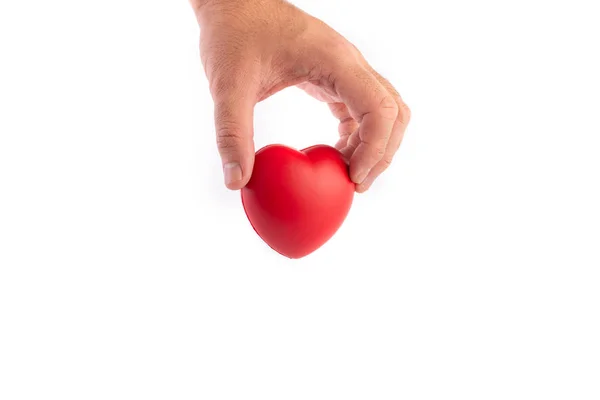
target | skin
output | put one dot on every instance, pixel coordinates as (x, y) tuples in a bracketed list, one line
[(251, 49)]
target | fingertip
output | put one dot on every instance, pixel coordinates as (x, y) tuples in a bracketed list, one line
[(235, 186), (235, 176), (360, 176), (364, 159), (360, 189), (365, 185), (359, 171)]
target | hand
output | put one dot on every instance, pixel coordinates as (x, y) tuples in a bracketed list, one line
[(251, 49)]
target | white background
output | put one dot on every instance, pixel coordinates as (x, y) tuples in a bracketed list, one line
[(471, 270)]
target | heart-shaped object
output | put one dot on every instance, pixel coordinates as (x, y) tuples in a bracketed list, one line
[(297, 200)]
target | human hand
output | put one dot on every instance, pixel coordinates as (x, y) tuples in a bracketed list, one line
[(251, 49)]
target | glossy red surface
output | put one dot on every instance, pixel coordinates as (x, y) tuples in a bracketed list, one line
[(297, 200)]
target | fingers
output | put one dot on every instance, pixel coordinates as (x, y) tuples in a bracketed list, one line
[(398, 131), (375, 109), (385, 162), (348, 125), (234, 100)]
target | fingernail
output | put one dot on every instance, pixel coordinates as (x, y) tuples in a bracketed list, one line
[(360, 177), (232, 172)]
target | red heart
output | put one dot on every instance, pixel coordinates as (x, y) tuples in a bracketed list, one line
[(297, 200)]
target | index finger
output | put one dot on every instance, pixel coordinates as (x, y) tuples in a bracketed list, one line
[(376, 110)]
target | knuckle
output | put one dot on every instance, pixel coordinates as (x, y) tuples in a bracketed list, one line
[(347, 128), (389, 108), (378, 151), (351, 144), (386, 162), (404, 113), (228, 138), (338, 109), (376, 148)]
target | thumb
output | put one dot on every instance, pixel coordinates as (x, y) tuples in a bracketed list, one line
[(234, 120)]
